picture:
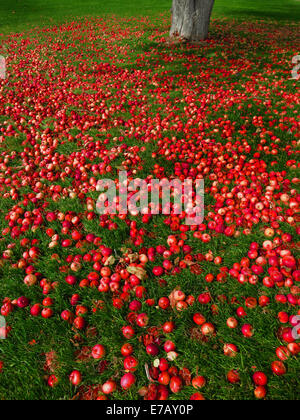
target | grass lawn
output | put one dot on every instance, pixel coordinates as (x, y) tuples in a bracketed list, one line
[(89, 94)]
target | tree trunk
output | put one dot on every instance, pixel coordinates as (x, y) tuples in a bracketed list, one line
[(190, 19)]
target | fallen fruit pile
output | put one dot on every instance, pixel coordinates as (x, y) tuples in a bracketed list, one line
[(143, 306)]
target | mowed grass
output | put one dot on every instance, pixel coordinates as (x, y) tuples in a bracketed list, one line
[(17, 15), (23, 376)]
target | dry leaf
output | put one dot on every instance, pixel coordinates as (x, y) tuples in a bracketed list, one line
[(133, 257), (196, 269), (51, 363), (137, 271), (173, 301)]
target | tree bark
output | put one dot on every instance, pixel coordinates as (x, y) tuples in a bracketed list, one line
[(190, 19)]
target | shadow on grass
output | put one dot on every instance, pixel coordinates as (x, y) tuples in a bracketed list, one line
[(290, 14)]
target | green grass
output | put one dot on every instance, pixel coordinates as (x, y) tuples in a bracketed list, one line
[(18, 15)]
